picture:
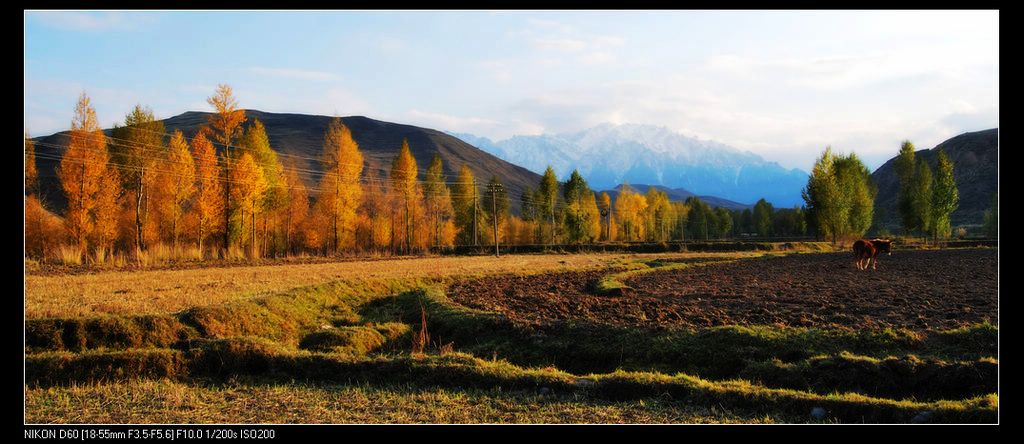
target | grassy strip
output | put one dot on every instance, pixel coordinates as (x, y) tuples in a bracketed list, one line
[(285, 317), (891, 377), (175, 403), (115, 332), (54, 368), (261, 359), (614, 284)]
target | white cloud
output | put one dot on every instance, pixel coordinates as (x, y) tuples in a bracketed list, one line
[(50, 102), (559, 44), (473, 125), (390, 44), (298, 74), (596, 58), (331, 101), (499, 70), (92, 21)]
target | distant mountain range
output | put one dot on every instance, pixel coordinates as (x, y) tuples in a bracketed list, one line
[(301, 137), (609, 155), (975, 159)]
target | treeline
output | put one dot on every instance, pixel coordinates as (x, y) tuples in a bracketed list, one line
[(143, 192), (840, 196)]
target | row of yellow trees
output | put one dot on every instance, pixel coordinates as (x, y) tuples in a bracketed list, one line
[(133, 193)]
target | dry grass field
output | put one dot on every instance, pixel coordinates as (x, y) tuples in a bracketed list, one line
[(171, 402), (171, 290)]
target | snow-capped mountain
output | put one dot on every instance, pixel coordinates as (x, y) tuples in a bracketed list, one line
[(608, 155)]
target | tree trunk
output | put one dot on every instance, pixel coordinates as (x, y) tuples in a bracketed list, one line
[(140, 188), (82, 216), (227, 200), (252, 221), (202, 254), (287, 234)]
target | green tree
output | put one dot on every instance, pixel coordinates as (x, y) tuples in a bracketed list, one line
[(945, 197), (855, 183), (747, 221), (921, 198), (904, 166), (548, 194), (700, 223), (725, 222), (992, 218), (839, 196), (762, 218), (577, 218)]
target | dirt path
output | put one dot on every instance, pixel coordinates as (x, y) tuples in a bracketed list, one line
[(918, 290)]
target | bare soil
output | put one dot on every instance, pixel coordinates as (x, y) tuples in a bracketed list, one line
[(916, 290)]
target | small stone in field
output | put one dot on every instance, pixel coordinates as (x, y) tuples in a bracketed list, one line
[(818, 413), (922, 418), (544, 391)]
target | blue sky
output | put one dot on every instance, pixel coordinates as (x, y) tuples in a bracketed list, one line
[(782, 84)]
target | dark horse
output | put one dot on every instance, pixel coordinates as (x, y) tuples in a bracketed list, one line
[(867, 251)]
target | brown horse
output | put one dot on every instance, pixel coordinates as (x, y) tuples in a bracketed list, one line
[(864, 251), (867, 251)]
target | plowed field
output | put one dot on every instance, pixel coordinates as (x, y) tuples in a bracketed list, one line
[(917, 290)]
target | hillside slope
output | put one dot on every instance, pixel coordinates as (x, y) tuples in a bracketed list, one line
[(302, 135), (975, 159)]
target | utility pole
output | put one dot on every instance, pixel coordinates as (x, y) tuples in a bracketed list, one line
[(476, 203), (604, 215), (494, 188)]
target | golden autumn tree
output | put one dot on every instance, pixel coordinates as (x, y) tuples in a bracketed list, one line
[(89, 183), (226, 124), (247, 188), (629, 208), (658, 217), (43, 229), (208, 206), (138, 145), (403, 183), (340, 189), (439, 204), (255, 142), (31, 173), (377, 209), (178, 184), (592, 227), (296, 210), (466, 203)]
